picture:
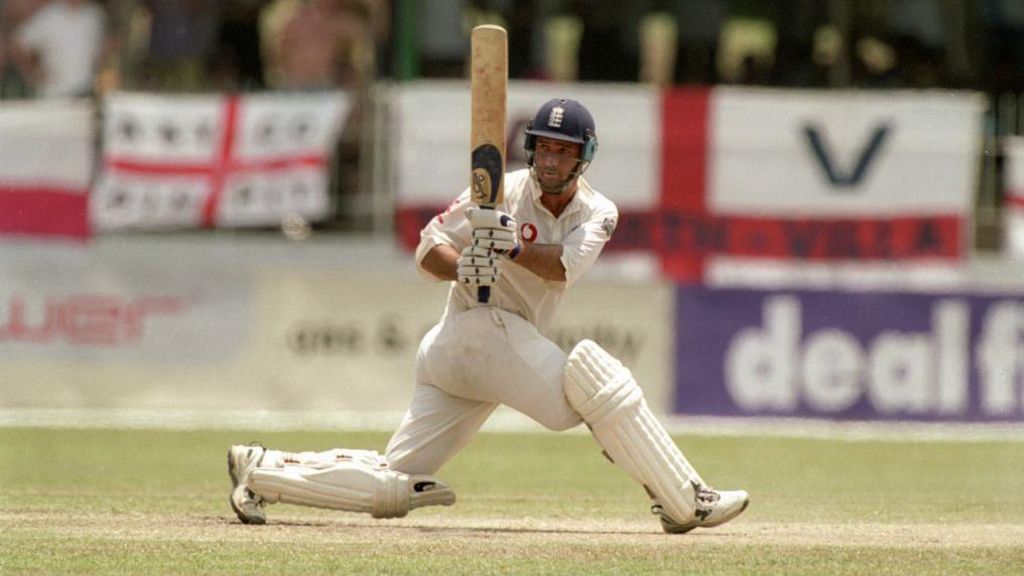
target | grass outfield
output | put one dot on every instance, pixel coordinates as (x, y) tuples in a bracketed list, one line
[(155, 502)]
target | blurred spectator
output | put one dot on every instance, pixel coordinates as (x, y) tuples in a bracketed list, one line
[(658, 33), (12, 14), (700, 24), (237, 62), (918, 34), (797, 22), (377, 14), (898, 44), (1003, 22), (523, 19), (746, 50), (58, 49), (873, 60), (316, 46), (442, 38), (273, 20), (180, 42), (609, 45)]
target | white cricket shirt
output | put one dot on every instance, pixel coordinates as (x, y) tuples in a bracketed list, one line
[(582, 229)]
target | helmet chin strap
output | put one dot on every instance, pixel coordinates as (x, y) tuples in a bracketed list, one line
[(561, 188), (581, 167)]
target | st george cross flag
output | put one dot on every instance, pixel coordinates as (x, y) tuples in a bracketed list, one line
[(46, 166), (216, 161)]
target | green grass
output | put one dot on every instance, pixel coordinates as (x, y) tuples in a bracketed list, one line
[(154, 502)]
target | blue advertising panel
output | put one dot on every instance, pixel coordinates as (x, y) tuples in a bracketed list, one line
[(850, 355)]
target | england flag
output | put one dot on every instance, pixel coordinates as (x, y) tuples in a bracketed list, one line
[(216, 161)]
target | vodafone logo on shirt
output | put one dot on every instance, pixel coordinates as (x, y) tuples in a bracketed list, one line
[(528, 232)]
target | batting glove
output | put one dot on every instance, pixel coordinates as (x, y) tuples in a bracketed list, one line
[(479, 266), (494, 230)]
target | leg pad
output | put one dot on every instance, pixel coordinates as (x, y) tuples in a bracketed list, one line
[(346, 484), (609, 400)]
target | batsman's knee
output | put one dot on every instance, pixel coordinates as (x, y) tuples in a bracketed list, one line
[(597, 385), (565, 420)]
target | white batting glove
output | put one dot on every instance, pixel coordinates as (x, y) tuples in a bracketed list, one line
[(494, 230), (479, 266)]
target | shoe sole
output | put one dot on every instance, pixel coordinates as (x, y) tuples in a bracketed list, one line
[(231, 497)]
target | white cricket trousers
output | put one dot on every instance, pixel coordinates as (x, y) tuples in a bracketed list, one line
[(466, 366)]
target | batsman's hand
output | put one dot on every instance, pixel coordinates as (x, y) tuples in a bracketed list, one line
[(479, 266), (494, 230)]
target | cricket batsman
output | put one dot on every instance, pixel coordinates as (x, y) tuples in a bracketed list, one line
[(547, 231)]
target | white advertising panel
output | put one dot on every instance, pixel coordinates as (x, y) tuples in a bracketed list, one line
[(33, 135), (236, 326), (815, 153), (431, 126), (1013, 195)]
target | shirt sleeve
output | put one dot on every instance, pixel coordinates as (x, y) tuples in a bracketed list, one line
[(449, 227), (583, 245)]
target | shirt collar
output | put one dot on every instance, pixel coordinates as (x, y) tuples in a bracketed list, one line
[(575, 205)]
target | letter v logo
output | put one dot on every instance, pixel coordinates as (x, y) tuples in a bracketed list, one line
[(834, 173)]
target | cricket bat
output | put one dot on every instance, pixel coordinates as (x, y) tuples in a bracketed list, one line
[(489, 87)]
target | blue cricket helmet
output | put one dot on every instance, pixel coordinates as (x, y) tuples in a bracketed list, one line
[(566, 120)]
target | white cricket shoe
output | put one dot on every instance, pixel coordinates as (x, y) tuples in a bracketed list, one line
[(248, 505), (714, 508)]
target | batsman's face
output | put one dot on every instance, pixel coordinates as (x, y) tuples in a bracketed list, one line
[(554, 161)]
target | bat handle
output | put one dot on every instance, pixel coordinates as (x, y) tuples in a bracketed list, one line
[(483, 293)]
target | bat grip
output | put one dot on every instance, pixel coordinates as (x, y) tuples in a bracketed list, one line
[(483, 293)]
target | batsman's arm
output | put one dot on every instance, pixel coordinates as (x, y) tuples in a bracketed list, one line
[(584, 244), (544, 260), (442, 262)]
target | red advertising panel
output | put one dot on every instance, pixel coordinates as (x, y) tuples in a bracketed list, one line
[(46, 166)]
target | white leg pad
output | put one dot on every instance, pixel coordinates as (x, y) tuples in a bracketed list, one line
[(350, 480), (609, 400)]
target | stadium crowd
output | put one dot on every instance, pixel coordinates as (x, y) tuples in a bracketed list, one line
[(81, 47), (73, 47)]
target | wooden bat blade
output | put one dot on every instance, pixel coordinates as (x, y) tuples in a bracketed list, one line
[(489, 85)]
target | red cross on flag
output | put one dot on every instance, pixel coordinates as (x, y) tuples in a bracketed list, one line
[(216, 161), (46, 167)]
